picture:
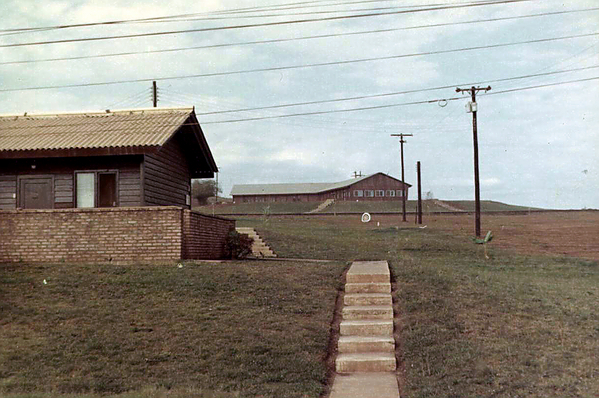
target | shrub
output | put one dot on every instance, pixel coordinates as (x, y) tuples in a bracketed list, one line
[(238, 245)]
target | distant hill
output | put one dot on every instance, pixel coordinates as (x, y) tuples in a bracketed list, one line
[(488, 206), (428, 206)]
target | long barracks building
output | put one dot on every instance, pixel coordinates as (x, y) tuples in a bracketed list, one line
[(374, 187)]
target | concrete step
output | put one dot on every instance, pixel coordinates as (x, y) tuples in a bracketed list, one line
[(368, 272), (367, 299), (368, 287), (365, 362), (360, 344), (366, 328), (365, 385), (367, 312), (259, 248)]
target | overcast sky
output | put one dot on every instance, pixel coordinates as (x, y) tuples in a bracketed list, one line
[(538, 147)]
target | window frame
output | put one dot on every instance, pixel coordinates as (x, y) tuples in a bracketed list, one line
[(96, 173)]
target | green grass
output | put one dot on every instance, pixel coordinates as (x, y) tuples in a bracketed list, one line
[(369, 207), (511, 326), (242, 329), (260, 208), (290, 208), (487, 206)]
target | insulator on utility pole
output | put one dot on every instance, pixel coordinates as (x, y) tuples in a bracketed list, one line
[(472, 107)]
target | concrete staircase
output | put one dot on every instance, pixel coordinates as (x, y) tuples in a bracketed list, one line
[(366, 349), (322, 206), (259, 248), (366, 341)]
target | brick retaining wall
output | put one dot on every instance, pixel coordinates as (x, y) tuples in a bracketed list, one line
[(125, 234), (205, 235)]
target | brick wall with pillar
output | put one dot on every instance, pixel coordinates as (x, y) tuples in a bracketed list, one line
[(132, 234)]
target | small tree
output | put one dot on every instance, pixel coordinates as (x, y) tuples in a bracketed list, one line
[(204, 189)]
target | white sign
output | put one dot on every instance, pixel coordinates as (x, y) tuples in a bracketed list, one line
[(366, 217)]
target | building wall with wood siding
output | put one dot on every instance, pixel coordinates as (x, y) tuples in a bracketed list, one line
[(63, 171), (8, 190), (166, 176), (376, 182)]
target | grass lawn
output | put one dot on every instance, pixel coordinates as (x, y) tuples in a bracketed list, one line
[(352, 206), (259, 208), (512, 326), (517, 325), (487, 206), (235, 329)]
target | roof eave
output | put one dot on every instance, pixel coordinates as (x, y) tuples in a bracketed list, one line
[(77, 152), (201, 140)]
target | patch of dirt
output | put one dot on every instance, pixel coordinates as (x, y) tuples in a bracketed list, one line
[(573, 233)]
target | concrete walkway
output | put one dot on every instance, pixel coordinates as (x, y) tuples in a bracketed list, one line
[(365, 361)]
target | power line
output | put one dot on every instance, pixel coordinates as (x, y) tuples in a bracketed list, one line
[(396, 92), (325, 112), (396, 105), (279, 68), (345, 3), (540, 86), (297, 38), (228, 18), (132, 98), (300, 21), (365, 108), (176, 18)]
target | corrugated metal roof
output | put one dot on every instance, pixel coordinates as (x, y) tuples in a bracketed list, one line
[(277, 189), (109, 129), (291, 189)]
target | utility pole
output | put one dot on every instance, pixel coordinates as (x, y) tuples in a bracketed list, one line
[(419, 193), (403, 191), (472, 107), (154, 94)]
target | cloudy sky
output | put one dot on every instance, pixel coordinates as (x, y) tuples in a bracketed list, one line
[(395, 72)]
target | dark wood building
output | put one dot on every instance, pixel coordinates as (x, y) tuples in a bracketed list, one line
[(375, 187), (143, 157)]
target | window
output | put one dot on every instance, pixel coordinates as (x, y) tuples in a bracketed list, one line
[(400, 193), (391, 193), (85, 190), (380, 193), (358, 193), (369, 193), (96, 189)]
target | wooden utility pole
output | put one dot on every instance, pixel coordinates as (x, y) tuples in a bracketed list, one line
[(403, 190), (473, 108), (154, 94), (419, 193)]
